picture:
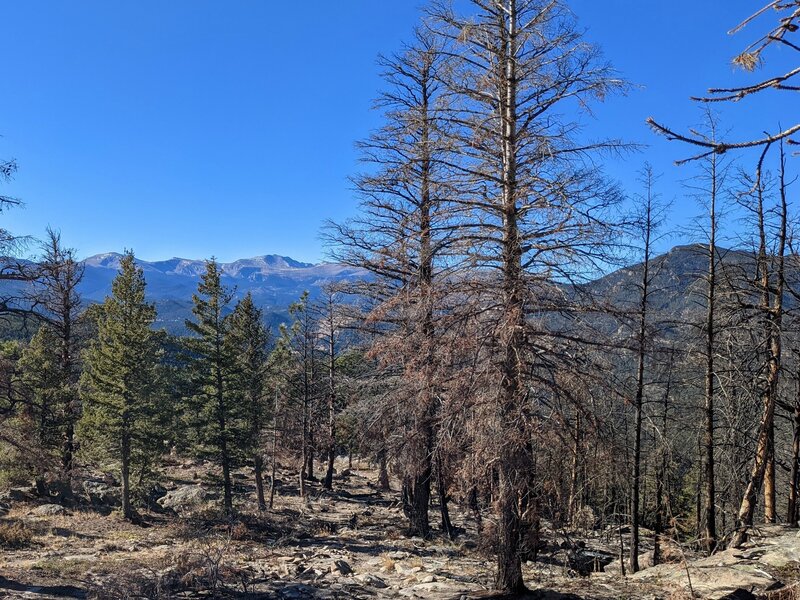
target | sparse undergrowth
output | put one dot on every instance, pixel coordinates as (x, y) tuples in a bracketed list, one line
[(349, 543), (14, 535)]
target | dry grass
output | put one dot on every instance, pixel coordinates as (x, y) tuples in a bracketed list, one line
[(387, 563), (415, 561), (64, 569), (240, 532), (15, 535)]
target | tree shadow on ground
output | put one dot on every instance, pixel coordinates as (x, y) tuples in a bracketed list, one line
[(531, 595), (59, 591)]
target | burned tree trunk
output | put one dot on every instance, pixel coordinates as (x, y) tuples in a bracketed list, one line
[(772, 285)]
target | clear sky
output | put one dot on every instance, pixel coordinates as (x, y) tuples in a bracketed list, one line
[(226, 127)]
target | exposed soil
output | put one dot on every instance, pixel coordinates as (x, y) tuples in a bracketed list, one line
[(349, 543)]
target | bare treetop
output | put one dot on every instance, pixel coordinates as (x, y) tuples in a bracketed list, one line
[(751, 58)]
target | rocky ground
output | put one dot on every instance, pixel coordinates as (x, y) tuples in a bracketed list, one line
[(346, 544)]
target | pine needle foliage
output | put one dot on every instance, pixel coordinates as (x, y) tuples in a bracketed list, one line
[(120, 383)]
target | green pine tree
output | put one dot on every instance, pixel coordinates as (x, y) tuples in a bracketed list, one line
[(119, 385), (42, 386), (45, 392), (219, 415), (247, 339)]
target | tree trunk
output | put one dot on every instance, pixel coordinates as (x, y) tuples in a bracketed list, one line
[(225, 458), (573, 480), (274, 461), (441, 486), (475, 507), (419, 499), (383, 472), (513, 466), (509, 533), (304, 450), (328, 482), (709, 489), (769, 480), (226, 480), (772, 310), (311, 452), (635, 485), (127, 511), (258, 467), (748, 505), (792, 504)]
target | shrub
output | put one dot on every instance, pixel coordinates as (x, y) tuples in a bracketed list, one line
[(14, 535)]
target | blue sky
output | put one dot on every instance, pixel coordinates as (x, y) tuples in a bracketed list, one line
[(195, 127)]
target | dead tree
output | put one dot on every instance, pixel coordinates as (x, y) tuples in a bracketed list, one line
[(749, 59), (708, 189), (401, 237), (649, 220), (769, 289), (532, 213), (16, 273), (329, 321)]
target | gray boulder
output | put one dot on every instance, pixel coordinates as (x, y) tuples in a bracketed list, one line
[(48, 510), (18, 494), (101, 493), (184, 499)]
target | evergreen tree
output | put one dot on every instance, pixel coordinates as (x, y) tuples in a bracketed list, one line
[(59, 306), (247, 340), (120, 379), (296, 356), (220, 418), (42, 386)]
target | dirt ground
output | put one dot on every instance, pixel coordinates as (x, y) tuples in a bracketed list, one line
[(349, 543)]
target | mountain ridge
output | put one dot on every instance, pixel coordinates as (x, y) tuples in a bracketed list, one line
[(274, 280)]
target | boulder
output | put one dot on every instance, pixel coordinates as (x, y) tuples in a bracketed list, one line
[(101, 493), (712, 576), (154, 493), (48, 510), (184, 499), (371, 580), (18, 494), (342, 567)]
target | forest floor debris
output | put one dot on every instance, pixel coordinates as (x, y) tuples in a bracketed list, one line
[(348, 543)]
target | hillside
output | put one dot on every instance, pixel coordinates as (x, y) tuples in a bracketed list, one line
[(276, 281)]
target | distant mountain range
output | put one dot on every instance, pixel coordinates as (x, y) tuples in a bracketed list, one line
[(277, 281), (274, 281)]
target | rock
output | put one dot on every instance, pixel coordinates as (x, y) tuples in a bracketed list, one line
[(739, 594), (585, 561), (48, 510), (438, 589), (184, 499), (101, 493), (712, 576), (372, 580), (296, 592), (155, 493), (18, 494), (343, 567)]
